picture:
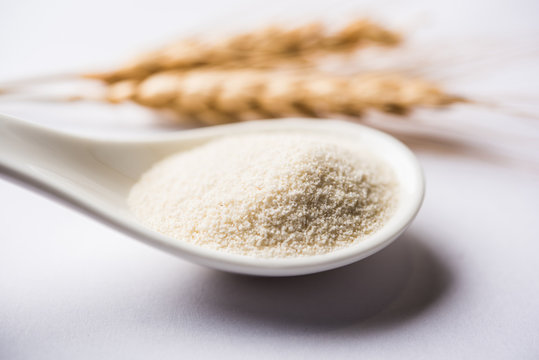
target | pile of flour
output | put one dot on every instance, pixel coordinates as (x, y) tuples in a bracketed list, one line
[(267, 195)]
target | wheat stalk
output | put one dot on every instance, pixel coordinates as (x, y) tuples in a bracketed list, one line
[(217, 96), (264, 48)]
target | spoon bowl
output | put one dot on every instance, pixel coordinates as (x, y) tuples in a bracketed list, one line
[(95, 176)]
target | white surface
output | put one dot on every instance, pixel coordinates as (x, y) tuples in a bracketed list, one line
[(461, 283)]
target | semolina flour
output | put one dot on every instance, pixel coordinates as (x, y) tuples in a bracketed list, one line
[(267, 195)]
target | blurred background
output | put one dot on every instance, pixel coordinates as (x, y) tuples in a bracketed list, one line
[(460, 283), (487, 54)]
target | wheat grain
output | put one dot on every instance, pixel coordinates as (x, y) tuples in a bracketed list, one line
[(217, 96), (264, 48)]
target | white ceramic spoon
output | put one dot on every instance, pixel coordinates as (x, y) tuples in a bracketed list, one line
[(95, 176)]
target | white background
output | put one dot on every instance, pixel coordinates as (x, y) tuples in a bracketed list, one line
[(461, 283)]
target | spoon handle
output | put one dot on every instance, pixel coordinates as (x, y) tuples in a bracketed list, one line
[(29, 152), (62, 166)]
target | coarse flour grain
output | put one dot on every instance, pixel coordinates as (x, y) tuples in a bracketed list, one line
[(277, 195)]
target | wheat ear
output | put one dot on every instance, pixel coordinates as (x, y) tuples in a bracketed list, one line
[(264, 48), (215, 96)]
